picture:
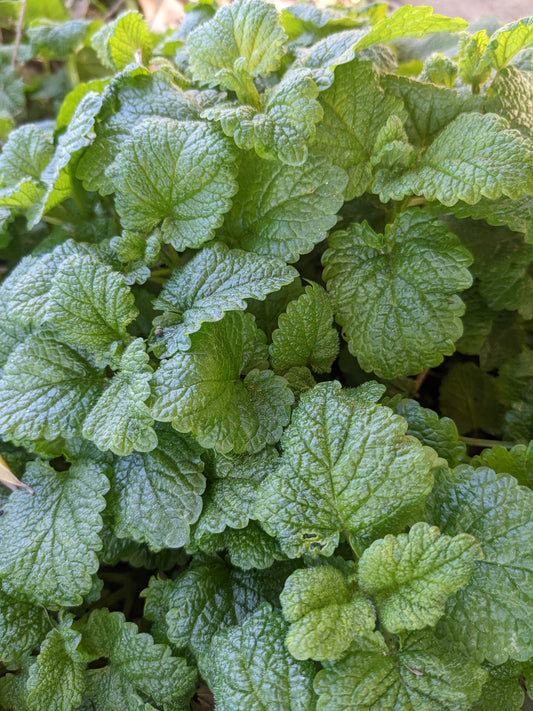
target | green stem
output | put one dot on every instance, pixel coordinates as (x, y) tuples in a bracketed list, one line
[(476, 442), (72, 71), (18, 34)]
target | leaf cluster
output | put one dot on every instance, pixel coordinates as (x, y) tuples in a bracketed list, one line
[(266, 360)]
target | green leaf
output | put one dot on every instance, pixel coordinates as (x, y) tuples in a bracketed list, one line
[(214, 281), (54, 40), (56, 680), (409, 21), (148, 667), (440, 433), (11, 332), (155, 497), (211, 596), (515, 382), (395, 294), (201, 390), (90, 306), (129, 101), (176, 175), (429, 108), (518, 423), (421, 676), (355, 109), (410, 576), (25, 154), (470, 397), (306, 336), (347, 466), (56, 176), (120, 420), (474, 156), (267, 312), (107, 688), (517, 462), (478, 321), (248, 548), (473, 69), (281, 210), (511, 96), (124, 41), (47, 390), (229, 498), (22, 627), (489, 617), (50, 538), (506, 42), (12, 691), (247, 30), (325, 614), (248, 667), (515, 214), (502, 691), (283, 127)]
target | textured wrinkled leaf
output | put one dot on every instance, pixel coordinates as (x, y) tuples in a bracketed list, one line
[(214, 281), (515, 381), (422, 676), (489, 617), (281, 210), (268, 311), (124, 41), (177, 175), (139, 96), (515, 214), (282, 128), (57, 40), (346, 466), (248, 667), (511, 96), (429, 108), (474, 156), (503, 263), (56, 176), (506, 42), (56, 681), (355, 108), (229, 498), (22, 627), (201, 390), (210, 596), (305, 336), (325, 614), (247, 29), (120, 420), (247, 548), (470, 397), (156, 496), (25, 154), (502, 691), (409, 21), (478, 321), (11, 332), (90, 306), (50, 538), (150, 668), (410, 576), (107, 689), (395, 294), (432, 430), (47, 390)]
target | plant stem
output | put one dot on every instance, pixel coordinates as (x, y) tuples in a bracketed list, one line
[(475, 442), (72, 71), (18, 34)]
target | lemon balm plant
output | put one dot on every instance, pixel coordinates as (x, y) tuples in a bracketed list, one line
[(266, 366)]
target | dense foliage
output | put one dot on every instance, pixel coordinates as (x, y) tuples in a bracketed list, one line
[(266, 360)]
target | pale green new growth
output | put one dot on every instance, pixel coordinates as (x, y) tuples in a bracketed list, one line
[(410, 576), (325, 614), (247, 29)]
